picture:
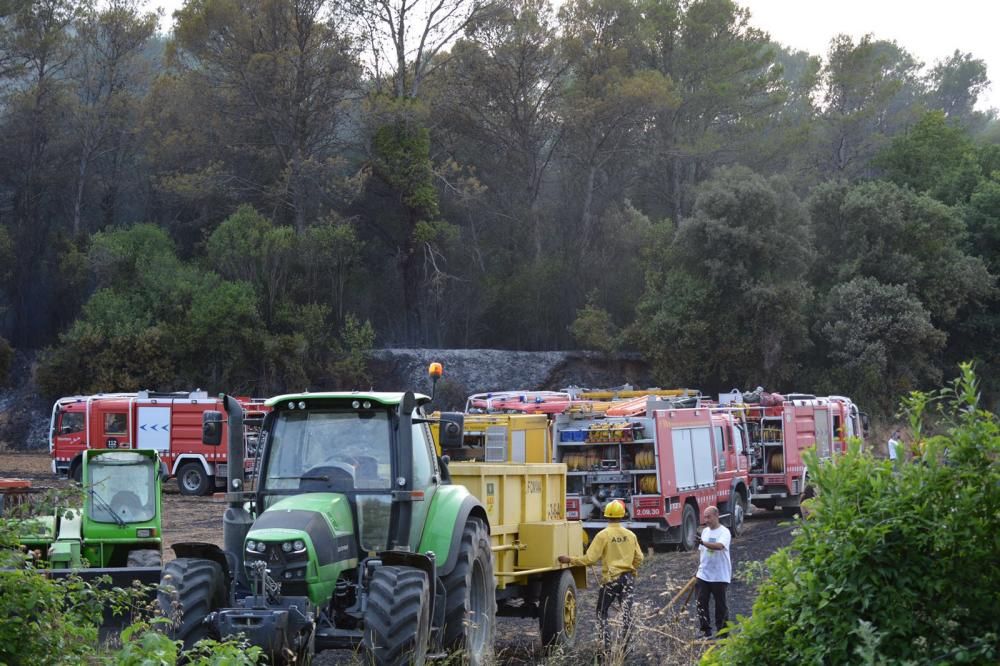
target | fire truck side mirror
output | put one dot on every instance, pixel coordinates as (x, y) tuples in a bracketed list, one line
[(451, 430), (211, 428), (865, 423)]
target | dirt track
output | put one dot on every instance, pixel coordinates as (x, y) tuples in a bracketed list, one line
[(662, 637)]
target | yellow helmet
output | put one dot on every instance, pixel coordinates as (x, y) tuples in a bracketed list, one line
[(614, 509)]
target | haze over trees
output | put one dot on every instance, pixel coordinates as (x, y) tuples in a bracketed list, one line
[(254, 200)]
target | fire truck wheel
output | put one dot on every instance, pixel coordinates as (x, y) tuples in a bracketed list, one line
[(192, 479), (558, 617), (737, 510), (689, 527), (76, 471)]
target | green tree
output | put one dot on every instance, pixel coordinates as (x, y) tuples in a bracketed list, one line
[(593, 327), (878, 340), (871, 92), (890, 567), (955, 86), (107, 74), (331, 252), (611, 98), (36, 42), (727, 304), (896, 236), (155, 321), (727, 86), (274, 76), (496, 102), (248, 247), (934, 158)]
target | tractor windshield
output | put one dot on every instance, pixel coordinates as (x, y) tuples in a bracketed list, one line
[(330, 450), (122, 488), (341, 452)]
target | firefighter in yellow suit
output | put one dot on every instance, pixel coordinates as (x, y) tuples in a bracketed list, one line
[(617, 549)]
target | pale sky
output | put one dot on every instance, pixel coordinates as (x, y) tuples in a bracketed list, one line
[(929, 29)]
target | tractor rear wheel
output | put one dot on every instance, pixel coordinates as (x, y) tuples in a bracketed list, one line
[(470, 601), (145, 557), (192, 479), (689, 528), (190, 589), (558, 618), (397, 618)]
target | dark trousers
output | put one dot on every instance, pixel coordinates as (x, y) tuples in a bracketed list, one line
[(622, 590), (706, 591)]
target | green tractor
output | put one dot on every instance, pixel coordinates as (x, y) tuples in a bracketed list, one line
[(353, 536), (117, 532)]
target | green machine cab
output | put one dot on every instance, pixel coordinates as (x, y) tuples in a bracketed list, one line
[(353, 535), (119, 525)]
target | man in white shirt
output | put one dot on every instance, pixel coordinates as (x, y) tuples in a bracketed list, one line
[(894, 448), (715, 571)]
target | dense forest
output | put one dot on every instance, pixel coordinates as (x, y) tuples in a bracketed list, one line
[(253, 200)]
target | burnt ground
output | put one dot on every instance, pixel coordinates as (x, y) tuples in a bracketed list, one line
[(663, 636)]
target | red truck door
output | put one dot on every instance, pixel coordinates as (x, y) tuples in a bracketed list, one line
[(111, 421)]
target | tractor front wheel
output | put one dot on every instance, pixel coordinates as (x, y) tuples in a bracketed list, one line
[(558, 616), (397, 618), (470, 601), (190, 589), (145, 557), (192, 479)]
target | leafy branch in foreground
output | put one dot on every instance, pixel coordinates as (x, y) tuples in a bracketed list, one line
[(891, 567)]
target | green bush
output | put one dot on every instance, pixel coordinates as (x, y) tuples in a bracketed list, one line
[(890, 567), (56, 620)]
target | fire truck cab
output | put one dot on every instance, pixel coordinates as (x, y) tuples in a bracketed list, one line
[(169, 423)]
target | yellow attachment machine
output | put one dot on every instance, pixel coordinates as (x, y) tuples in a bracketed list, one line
[(503, 463)]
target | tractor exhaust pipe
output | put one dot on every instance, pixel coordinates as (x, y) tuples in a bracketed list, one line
[(237, 452), (236, 521)]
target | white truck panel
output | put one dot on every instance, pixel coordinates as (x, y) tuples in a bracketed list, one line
[(701, 445), (153, 429), (683, 457)]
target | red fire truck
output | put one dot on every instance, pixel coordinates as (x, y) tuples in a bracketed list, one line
[(667, 461), (779, 428), (167, 422)]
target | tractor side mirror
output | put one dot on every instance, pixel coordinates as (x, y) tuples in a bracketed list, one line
[(451, 430), (211, 428)]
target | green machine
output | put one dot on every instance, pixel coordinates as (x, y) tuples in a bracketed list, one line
[(118, 527), (353, 536)]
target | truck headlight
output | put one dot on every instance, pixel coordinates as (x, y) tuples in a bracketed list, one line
[(287, 546), (251, 545), (299, 545), (261, 546)]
